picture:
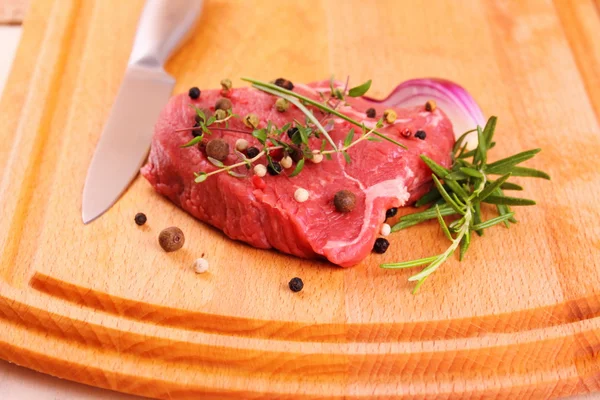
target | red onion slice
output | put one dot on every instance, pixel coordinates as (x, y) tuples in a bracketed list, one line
[(453, 99)]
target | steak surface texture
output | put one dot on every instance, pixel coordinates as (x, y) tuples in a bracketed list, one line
[(262, 211)]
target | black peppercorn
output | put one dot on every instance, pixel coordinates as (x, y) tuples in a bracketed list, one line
[(223, 104), (197, 132), (194, 93), (274, 168), (420, 134), (140, 219), (381, 245), (291, 132), (371, 113), (391, 212), (284, 83), (252, 152), (296, 284), (296, 153)]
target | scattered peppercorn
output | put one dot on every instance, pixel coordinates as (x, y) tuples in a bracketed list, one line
[(251, 121), (140, 218), (226, 84), (391, 212), (286, 162), (296, 153), (344, 201), (223, 104), (197, 132), (430, 105), (381, 245), (197, 118), (252, 152), (301, 195), (389, 116), (282, 105), (241, 144), (317, 157), (284, 83), (420, 134), (217, 149), (260, 170), (371, 113), (171, 239), (406, 133), (291, 132), (386, 229), (194, 93), (296, 284), (220, 114), (274, 168)]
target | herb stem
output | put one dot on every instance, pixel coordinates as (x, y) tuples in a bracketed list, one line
[(245, 162), (274, 88), (215, 128)]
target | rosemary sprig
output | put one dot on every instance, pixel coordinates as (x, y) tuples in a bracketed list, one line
[(270, 88), (460, 192)]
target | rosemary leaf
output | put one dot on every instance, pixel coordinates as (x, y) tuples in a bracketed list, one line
[(491, 222), (510, 186), (509, 201)]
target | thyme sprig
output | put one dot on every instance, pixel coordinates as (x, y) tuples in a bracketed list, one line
[(279, 91), (461, 191)]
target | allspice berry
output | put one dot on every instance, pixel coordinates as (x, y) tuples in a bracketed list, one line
[(282, 105), (223, 104), (220, 114), (171, 239), (251, 121), (390, 116), (217, 149), (344, 201)]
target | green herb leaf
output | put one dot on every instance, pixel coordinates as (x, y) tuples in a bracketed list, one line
[(443, 223), (373, 139), (347, 157), (410, 264), (437, 169), (464, 245), (529, 172), (488, 131), (491, 222), (491, 188), (215, 162), (193, 142), (298, 169), (471, 153), (471, 172), (428, 197), (235, 174), (211, 120), (509, 201), (261, 135), (360, 89), (510, 186), (349, 137), (200, 177), (506, 163)]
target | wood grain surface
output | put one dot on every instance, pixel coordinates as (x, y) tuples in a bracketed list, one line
[(103, 305)]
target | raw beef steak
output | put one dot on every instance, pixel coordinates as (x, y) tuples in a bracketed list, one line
[(263, 211)]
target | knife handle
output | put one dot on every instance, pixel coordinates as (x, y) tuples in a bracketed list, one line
[(163, 26)]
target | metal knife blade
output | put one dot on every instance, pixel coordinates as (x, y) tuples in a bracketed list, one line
[(126, 138), (145, 90)]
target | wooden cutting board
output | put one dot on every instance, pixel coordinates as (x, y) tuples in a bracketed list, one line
[(102, 304)]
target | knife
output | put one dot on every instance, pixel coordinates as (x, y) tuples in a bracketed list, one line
[(146, 88)]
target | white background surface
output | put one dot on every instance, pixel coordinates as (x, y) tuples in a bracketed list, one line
[(17, 383)]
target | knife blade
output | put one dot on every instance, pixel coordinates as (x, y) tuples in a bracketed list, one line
[(146, 87)]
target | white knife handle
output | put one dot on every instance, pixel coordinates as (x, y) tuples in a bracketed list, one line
[(163, 26)]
